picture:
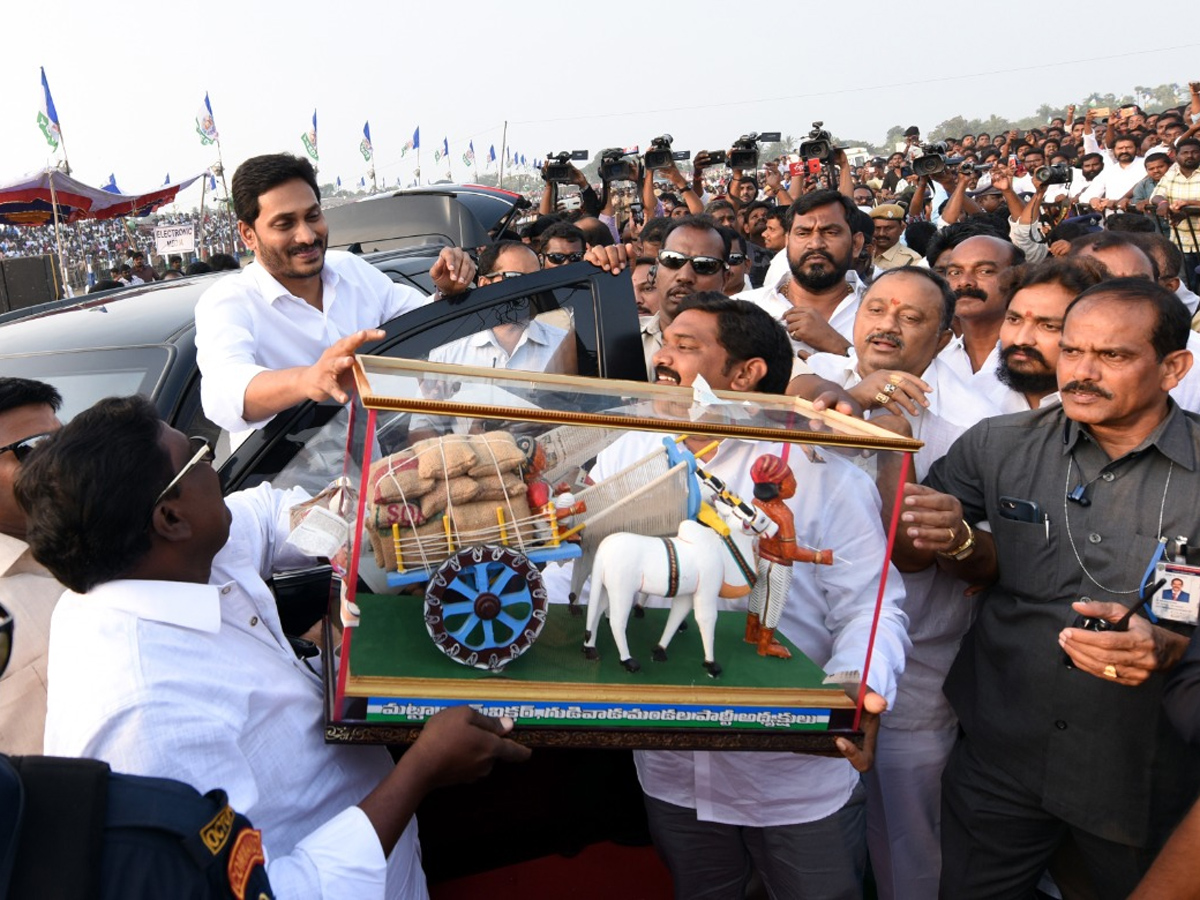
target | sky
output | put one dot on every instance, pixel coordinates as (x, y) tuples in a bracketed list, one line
[(128, 79)]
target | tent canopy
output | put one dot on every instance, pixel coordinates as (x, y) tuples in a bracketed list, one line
[(28, 200)]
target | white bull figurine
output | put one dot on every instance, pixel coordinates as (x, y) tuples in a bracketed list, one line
[(693, 569)]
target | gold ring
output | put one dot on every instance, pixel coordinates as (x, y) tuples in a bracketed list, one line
[(894, 379), (882, 399), (1110, 670), (889, 388)]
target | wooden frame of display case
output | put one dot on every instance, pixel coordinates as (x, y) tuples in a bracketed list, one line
[(387, 677)]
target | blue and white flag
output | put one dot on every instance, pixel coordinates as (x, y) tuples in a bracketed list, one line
[(309, 139), (364, 146), (206, 127), (47, 117)]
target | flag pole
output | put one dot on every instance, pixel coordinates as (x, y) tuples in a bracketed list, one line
[(220, 170), (62, 262), (200, 236), (63, 141), (503, 151)]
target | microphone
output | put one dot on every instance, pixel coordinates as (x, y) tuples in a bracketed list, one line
[(1079, 495)]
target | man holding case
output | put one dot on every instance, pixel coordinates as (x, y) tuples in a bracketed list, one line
[(167, 657)]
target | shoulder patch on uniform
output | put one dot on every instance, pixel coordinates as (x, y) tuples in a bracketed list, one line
[(247, 853), (216, 833)]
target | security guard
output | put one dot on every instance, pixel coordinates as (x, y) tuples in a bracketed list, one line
[(889, 219), (71, 828)]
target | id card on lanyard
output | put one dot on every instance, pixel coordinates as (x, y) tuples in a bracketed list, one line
[(1179, 599)]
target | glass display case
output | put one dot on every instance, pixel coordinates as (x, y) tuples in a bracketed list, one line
[(579, 554)]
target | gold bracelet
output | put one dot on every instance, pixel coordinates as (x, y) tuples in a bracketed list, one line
[(963, 550)]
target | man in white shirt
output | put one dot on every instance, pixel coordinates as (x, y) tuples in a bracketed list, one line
[(798, 818), (897, 376), (1039, 294), (529, 345), (167, 657), (1123, 166), (974, 271), (813, 300), (285, 328)]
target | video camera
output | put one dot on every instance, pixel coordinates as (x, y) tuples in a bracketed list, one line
[(617, 165), (819, 144), (661, 156), (744, 153), (1061, 173), (933, 161), (557, 168)]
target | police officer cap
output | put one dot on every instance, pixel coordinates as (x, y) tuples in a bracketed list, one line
[(888, 211)]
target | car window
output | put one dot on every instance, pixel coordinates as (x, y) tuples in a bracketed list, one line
[(85, 376), (548, 330)]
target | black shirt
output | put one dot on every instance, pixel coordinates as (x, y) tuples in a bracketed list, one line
[(1102, 756)]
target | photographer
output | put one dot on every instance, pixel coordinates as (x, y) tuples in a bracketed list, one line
[(959, 202), (590, 202), (1123, 165), (683, 188)]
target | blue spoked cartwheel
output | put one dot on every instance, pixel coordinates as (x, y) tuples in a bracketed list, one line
[(485, 606)]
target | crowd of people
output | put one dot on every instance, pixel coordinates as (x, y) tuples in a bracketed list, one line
[(101, 251), (1021, 304)]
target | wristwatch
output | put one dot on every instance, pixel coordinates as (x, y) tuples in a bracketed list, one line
[(963, 550)]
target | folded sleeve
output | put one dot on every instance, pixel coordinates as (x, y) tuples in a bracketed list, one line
[(225, 354)]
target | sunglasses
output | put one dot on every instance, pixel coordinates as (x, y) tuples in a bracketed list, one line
[(22, 448), (503, 276), (701, 265), (202, 453), (736, 259), (562, 258), (6, 632)]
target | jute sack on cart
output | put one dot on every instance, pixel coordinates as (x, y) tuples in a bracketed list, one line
[(471, 524)]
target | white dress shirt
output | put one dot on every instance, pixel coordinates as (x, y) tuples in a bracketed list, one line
[(1118, 180), (841, 320), (248, 323), (984, 383), (533, 351), (198, 683), (938, 613), (828, 616)]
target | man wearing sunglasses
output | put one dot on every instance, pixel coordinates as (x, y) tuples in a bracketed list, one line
[(562, 244), (27, 414), (692, 259), (526, 344), (168, 659)]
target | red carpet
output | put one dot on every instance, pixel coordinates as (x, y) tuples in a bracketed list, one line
[(600, 872)]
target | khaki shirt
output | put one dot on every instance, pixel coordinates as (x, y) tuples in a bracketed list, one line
[(29, 593), (896, 257)]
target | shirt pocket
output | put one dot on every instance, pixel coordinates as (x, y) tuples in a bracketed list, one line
[(1028, 560)]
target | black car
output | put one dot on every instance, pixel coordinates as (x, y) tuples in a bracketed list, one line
[(142, 340)]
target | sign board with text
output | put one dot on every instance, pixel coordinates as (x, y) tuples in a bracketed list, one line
[(174, 239)]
